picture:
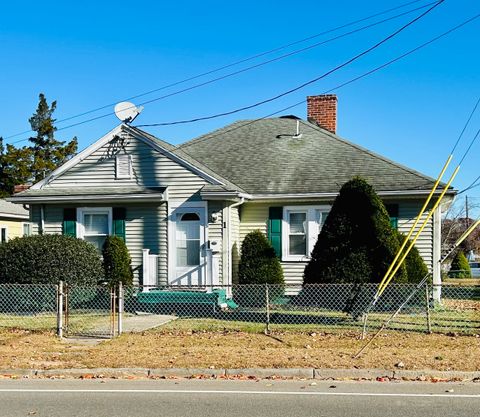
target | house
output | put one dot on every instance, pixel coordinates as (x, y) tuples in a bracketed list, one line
[(14, 221), (184, 210)]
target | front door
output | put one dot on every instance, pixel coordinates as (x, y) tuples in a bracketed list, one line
[(189, 255)]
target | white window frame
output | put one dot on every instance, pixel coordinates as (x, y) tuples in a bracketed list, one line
[(130, 167), (29, 229), (311, 232), (81, 211)]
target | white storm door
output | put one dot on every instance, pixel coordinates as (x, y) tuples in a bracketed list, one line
[(189, 255)]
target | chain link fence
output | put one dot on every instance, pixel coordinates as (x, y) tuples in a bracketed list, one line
[(89, 311), (449, 308), (30, 307), (95, 311)]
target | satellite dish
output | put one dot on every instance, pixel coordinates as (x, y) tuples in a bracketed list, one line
[(127, 112)]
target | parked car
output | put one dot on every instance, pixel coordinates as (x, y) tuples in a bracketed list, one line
[(475, 267)]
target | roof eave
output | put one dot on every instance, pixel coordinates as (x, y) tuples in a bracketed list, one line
[(306, 196), (224, 195), (92, 198), (14, 216)]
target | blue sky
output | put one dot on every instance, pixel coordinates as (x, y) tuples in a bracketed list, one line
[(89, 54)]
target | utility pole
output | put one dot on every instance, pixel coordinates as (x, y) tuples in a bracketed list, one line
[(467, 218)]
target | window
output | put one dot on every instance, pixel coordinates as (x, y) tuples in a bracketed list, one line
[(3, 234), (27, 229), (302, 224), (188, 239), (297, 236), (94, 225), (123, 167)]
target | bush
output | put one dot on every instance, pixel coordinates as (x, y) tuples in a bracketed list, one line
[(357, 243), (258, 265), (414, 263), (460, 267), (48, 259), (258, 262), (117, 263)]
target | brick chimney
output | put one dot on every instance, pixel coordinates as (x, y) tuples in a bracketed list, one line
[(323, 111), (21, 187)]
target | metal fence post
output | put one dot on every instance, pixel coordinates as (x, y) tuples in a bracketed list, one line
[(120, 308), (427, 301), (60, 309), (267, 306)]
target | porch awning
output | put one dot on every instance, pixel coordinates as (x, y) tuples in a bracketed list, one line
[(90, 195)]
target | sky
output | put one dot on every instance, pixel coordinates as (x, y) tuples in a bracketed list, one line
[(91, 54)]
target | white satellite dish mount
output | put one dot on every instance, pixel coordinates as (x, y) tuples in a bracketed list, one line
[(127, 112)]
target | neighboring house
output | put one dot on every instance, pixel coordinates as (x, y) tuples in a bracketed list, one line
[(14, 221), (192, 205)]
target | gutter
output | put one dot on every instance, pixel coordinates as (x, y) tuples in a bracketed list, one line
[(14, 216), (290, 196), (93, 198)]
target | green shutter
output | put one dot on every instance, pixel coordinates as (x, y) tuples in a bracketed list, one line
[(118, 226), (275, 217), (392, 210), (70, 222)]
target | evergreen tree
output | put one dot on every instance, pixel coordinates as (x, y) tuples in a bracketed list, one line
[(357, 243), (460, 267), (47, 152), (117, 263), (258, 262), (44, 154), (14, 167)]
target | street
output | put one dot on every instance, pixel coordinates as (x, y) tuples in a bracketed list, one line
[(199, 398)]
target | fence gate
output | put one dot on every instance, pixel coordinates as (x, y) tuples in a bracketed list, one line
[(87, 311)]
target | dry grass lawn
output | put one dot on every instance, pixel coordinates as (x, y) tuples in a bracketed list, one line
[(173, 347)]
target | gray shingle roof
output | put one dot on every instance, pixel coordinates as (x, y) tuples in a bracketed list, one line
[(7, 209), (187, 158), (263, 157)]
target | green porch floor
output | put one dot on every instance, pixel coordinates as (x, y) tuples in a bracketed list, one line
[(215, 298)]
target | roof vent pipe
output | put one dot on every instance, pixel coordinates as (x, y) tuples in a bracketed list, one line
[(297, 135)]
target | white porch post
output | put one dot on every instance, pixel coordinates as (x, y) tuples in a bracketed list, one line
[(146, 268), (437, 253)]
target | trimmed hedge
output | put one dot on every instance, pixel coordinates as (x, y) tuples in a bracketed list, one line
[(460, 268), (258, 265), (357, 243), (117, 263), (414, 263), (258, 262), (48, 259)]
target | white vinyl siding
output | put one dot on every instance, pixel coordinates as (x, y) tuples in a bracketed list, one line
[(407, 212), (236, 244), (255, 216), (149, 168)]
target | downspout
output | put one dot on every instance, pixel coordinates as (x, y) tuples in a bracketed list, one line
[(229, 238), (42, 219)]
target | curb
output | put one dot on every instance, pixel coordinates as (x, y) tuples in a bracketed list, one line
[(251, 373)]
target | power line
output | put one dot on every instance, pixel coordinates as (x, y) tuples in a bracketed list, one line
[(338, 67), (247, 60), (465, 126), (372, 71)]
